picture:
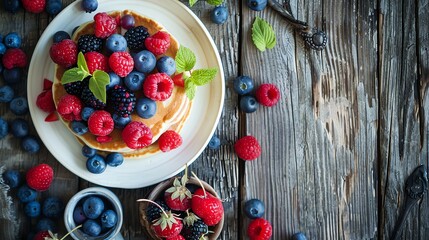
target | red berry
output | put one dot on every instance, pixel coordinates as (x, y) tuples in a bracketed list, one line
[(69, 107), (158, 86), (121, 63), (40, 177), (247, 148), (105, 25), (167, 226), (178, 197), (100, 123), (137, 135), (96, 61), (47, 84), (34, 6), (169, 140), (158, 43), (64, 53), (178, 237), (103, 139), (45, 101), (178, 80), (41, 235), (259, 229), (208, 207), (14, 57), (267, 94), (52, 117)]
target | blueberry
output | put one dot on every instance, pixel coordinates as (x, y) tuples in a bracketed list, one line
[(219, 15), (96, 164), (257, 5), (19, 127), (79, 127), (254, 208), (53, 7), (89, 5), (166, 65), (108, 218), (6, 94), (26, 194), (248, 104), (214, 142), (30, 144), (78, 215), (299, 236), (11, 6), (32, 209), (53, 207), (243, 85), (12, 76), (145, 108), (2, 49), (114, 159), (93, 207), (88, 151), (127, 21), (144, 61), (59, 36), (12, 40), (116, 43), (19, 106), (134, 80), (46, 224), (86, 113), (91, 227), (114, 80), (120, 122), (12, 178), (4, 128)]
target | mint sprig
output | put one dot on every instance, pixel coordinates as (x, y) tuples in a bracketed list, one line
[(211, 2), (263, 35), (97, 83), (185, 62)]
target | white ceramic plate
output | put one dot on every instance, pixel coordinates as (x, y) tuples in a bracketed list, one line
[(205, 113)]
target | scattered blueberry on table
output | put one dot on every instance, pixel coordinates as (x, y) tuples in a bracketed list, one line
[(219, 14), (248, 104), (257, 5), (243, 85), (254, 208), (214, 142)]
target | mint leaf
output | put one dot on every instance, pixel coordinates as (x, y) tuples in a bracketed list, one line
[(192, 2), (190, 88), (215, 2), (73, 75), (185, 59), (81, 62), (98, 83), (263, 35), (203, 76)]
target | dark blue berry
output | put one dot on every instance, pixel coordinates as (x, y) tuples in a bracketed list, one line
[(19, 128), (12, 76), (219, 15), (12, 40), (53, 7), (114, 159), (91, 227), (214, 142), (26, 194), (88, 151), (108, 218), (59, 36), (93, 207), (166, 65), (89, 5), (299, 236), (79, 127), (19, 106), (12, 178), (146, 108), (127, 21), (32, 209), (144, 61), (116, 43), (4, 128), (243, 85), (257, 5), (6, 94), (2, 51), (120, 122), (248, 104), (78, 215), (96, 164), (46, 224), (134, 80), (30, 144), (254, 208), (11, 6), (114, 80), (86, 113), (52, 207)]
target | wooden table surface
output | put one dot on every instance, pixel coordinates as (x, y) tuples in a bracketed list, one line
[(350, 127)]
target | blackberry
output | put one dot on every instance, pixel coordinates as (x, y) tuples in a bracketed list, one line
[(75, 88), (135, 37), (153, 212), (122, 100), (194, 231), (90, 100), (89, 43)]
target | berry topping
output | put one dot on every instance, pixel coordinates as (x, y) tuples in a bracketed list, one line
[(166, 65), (14, 57), (122, 101), (96, 61), (69, 107), (105, 25), (76, 88), (100, 123), (64, 53), (40, 177), (52, 117), (178, 80), (127, 21), (158, 43), (90, 100), (34, 6), (114, 159), (89, 43), (47, 84), (144, 61), (45, 101), (103, 139), (206, 206), (96, 164), (137, 135), (116, 43), (259, 229), (158, 86), (247, 148), (267, 94), (136, 37), (168, 141), (134, 80), (146, 108), (121, 63)]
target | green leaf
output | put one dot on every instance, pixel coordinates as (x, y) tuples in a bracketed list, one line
[(185, 59), (215, 2), (81, 62), (190, 88), (263, 35), (192, 2), (98, 83), (203, 76), (73, 75)]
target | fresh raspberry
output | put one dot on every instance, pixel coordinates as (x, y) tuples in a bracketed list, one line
[(259, 229), (105, 25), (103, 139), (42, 235), (158, 43), (96, 61), (169, 140), (121, 63), (137, 135), (158, 86), (247, 148), (267, 94), (100, 123), (178, 80), (64, 53), (14, 57), (34, 6), (40, 177), (45, 101), (69, 107)]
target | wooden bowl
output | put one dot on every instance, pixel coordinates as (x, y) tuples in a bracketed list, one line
[(157, 193)]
